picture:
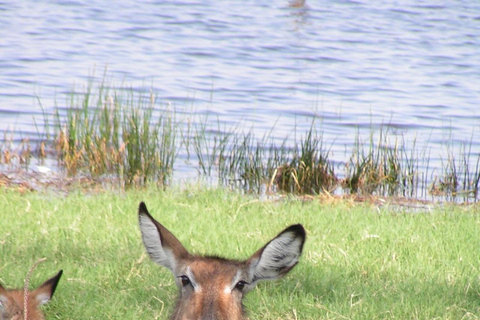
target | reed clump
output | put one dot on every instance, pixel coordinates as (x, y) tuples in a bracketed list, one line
[(460, 173), (383, 166), (256, 165), (113, 134), (387, 166), (12, 153), (310, 171)]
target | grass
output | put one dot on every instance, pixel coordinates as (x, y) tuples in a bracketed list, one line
[(359, 261)]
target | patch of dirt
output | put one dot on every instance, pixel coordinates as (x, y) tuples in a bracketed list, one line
[(29, 180)]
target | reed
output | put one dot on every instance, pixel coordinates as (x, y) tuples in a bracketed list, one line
[(6, 149), (115, 134), (385, 166), (209, 145), (245, 162), (15, 154), (460, 173), (309, 171), (255, 164)]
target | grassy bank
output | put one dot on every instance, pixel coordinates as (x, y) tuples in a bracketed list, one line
[(359, 262)]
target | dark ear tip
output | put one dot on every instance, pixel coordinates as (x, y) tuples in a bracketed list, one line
[(57, 277), (53, 282), (297, 229), (142, 208)]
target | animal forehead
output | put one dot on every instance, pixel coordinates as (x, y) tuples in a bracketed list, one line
[(15, 297), (16, 300), (213, 269)]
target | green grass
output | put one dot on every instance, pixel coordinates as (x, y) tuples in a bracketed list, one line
[(359, 262)]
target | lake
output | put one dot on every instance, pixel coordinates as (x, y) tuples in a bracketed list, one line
[(413, 66)]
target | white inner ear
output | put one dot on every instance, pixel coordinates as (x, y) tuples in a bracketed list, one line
[(43, 298), (152, 241), (281, 253)]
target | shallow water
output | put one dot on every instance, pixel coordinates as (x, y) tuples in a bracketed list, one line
[(414, 66)]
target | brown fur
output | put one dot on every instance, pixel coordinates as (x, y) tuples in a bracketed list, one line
[(12, 301), (213, 275), (14, 306)]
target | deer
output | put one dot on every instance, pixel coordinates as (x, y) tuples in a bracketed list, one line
[(20, 304), (212, 287)]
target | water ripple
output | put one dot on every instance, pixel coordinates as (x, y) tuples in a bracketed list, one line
[(356, 64)]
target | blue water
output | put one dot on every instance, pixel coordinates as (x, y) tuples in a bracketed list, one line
[(414, 65)]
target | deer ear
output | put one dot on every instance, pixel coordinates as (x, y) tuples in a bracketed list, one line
[(161, 245), (279, 255), (45, 292)]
